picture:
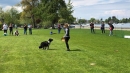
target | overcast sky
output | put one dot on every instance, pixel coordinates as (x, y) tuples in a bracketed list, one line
[(87, 9)]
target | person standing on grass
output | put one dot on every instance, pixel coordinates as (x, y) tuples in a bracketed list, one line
[(59, 28), (11, 28), (103, 27), (30, 29), (25, 29), (92, 27), (67, 36), (5, 28), (15, 26), (111, 27)]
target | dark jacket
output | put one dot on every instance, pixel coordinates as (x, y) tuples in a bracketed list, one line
[(92, 25), (102, 26)]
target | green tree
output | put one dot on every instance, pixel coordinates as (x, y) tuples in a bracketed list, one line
[(14, 14), (92, 20), (124, 20), (109, 19), (70, 10), (82, 21), (61, 21), (129, 20), (1, 15), (49, 10), (114, 19), (55, 11), (106, 20), (11, 16), (29, 9)]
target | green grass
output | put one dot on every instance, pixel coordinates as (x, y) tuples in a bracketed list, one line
[(21, 54)]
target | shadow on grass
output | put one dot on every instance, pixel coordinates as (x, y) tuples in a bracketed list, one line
[(52, 49), (49, 49), (75, 50)]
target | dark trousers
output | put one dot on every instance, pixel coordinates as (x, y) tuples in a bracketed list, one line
[(5, 31), (92, 30), (66, 42), (103, 30), (30, 31), (25, 31), (59, 29), (11, 31)]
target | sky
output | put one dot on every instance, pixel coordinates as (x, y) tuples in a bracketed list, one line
[(86, 9)]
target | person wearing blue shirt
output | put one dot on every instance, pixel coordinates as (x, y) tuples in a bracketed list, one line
[(103, 27)]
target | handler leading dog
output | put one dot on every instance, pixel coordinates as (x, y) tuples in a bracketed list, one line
[(67, 35)]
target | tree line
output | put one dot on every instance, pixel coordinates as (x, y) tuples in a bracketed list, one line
[(39, 12), (113, 19), (47, 13)]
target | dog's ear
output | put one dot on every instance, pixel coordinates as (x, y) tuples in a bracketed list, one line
[(50, 39)]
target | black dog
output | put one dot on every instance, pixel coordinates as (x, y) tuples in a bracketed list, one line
[(45, 44)]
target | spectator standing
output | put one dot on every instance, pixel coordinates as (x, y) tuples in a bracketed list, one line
[(92, 27), (25, 29), (59, 28), (15, 26), (5, 28), (11, 28), (111, 27), (30, 29), (103, 27)]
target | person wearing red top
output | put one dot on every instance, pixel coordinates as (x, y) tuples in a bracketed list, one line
[(59, 28), (92, 27), (25, 29), (111, 27)]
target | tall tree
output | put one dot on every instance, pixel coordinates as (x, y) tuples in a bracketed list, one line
[(70, 10), (11, 15), (28, 7), (14, 14), (92, 20), (66, 13), (82, 21), (1, 15), (49, 10)]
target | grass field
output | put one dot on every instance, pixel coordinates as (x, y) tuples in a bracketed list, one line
[(90, 53)]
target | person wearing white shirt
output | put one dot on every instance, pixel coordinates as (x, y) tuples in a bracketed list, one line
[(5, 28)]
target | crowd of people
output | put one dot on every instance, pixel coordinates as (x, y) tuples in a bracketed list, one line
[(5, 28), (66, 30), (111, 27)]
